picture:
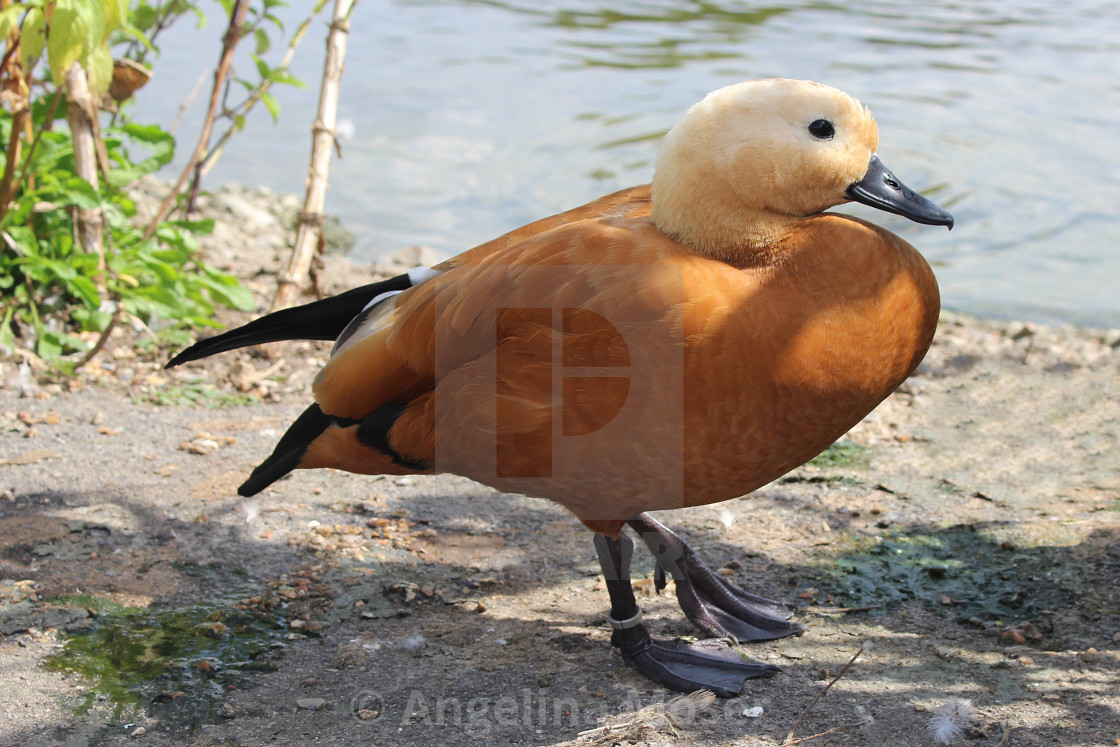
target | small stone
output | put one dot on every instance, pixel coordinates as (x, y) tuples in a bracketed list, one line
[(368, 714), (212, 629), (945, 652), (225, 710), (107, 431), (1019, 330), (97, 419), (1014, 636), (311, 704), (139, 731), (1112, 338), (753, 712), (481, 607), (1026, 661), (1116, 637)]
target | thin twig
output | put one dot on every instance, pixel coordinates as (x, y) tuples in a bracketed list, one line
[(843, 610), (833, 730), (188, 100), (229, 43), (261, 89), (821, 694), (1006, 734), (100, 340)]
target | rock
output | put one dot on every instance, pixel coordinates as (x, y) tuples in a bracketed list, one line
[(139, 731), (368, 714), (311, 704), (248, 216), (225, 710), (753, 712), (407, 258)]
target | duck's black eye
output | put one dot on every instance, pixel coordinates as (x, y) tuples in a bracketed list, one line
[(821, 129)]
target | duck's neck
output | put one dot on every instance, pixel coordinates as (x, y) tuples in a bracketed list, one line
[(715, 222)]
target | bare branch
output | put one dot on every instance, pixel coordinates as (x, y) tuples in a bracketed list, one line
[(229, 43), (322, 139), (821, 694)]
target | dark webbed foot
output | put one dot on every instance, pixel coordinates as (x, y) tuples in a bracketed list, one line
[(714, 605), (677, 664), (685, 666)]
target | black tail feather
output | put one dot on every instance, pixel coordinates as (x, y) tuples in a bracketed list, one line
[(374, 433), (289, 451), (319, 320)]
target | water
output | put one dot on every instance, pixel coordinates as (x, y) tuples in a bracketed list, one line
[(472, 118)]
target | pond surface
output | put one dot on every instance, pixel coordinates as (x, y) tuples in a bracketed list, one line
[(471, 118)]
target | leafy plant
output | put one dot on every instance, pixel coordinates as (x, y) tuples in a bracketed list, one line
[(52, 286), (73, 255)]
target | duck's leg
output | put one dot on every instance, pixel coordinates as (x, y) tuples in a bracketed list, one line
[(717, 607), (677, 664)]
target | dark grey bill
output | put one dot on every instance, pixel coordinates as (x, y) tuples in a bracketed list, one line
[(881, 189)]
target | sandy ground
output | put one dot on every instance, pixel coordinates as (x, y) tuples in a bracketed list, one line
[(966, 536)]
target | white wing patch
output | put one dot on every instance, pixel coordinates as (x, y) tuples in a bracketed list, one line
[(378, 313)]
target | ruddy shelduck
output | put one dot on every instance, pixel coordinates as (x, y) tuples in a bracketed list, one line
[(669, 345)]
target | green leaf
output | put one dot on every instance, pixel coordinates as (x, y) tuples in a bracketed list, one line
[(262, 67), (161, 144), (33, 38), (85, 289), (24, 239), (48, 346), (91, 319), (200, 226), (9, 19), (77, 191), (282, 76), (227, 291), (116, 14), (76, 30), (150, 134), (263, 42), (272, 104), (100, 68)]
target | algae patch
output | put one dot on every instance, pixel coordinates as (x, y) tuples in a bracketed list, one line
[(957, 569), (185, 656), (842, 454)]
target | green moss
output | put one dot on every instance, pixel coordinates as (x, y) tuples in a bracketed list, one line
[(198, 393), (187, 655), (973, 572), (843, 454)]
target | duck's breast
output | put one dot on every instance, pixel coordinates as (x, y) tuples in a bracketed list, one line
[(800, 351)]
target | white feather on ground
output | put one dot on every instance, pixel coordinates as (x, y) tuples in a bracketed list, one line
[(948, 722)]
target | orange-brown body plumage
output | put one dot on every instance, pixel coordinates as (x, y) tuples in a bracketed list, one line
[(776, 360), (665, 346)]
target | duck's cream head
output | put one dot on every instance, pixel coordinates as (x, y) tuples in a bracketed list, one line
[(752, 157)]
